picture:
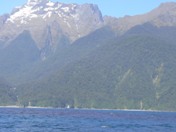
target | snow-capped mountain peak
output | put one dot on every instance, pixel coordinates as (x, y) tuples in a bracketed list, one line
[(35, 2), (33, 9), (43, 18), (42, 9)]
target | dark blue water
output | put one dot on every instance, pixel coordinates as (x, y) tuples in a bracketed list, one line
[(70, 120)]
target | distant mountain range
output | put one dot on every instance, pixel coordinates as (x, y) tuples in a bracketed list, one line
[(56, 54)]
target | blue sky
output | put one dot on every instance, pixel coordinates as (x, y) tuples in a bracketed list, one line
[(117, 8)]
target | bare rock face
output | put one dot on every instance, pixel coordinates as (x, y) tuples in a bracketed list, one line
[(39, 16)]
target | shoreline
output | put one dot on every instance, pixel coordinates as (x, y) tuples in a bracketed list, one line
[(32, 107), (38, 107)]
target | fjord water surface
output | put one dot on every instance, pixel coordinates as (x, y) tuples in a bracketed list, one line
[(77, 120)]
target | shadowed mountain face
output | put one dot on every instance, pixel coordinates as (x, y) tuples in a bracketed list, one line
[(55, 55), (18, 54)]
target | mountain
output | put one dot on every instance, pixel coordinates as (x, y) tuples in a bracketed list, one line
[(47, 22), (20, 53), (133, 72), (162, 16), (56, 54)]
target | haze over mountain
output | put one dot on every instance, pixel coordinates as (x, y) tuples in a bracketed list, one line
[(56, 54)]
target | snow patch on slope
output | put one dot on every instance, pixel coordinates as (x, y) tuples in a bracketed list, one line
[(50, 3), (65, 9)]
